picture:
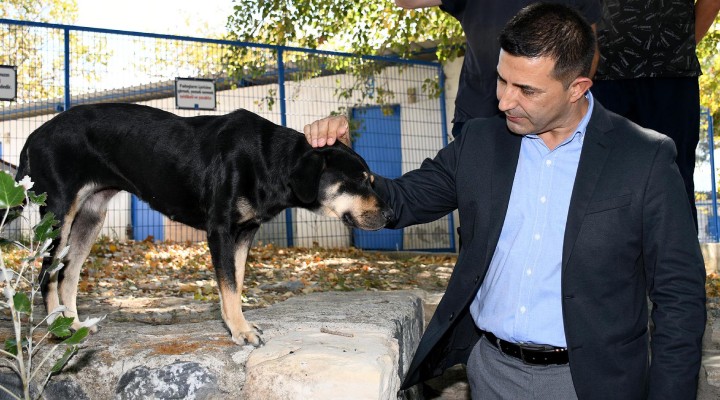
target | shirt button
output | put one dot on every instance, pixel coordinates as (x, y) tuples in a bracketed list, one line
[(523, 309), (543, 199), (529, 272), (548, 162), (536, 236)]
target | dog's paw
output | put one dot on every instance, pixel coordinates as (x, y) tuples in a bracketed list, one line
[(251, 337)]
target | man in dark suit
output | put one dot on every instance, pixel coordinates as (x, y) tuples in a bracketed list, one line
[(571, 217)]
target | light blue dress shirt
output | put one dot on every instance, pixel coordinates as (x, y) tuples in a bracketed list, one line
[(520, 299)]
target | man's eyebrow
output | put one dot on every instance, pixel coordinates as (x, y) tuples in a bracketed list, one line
[(527, 88), (522, 87)]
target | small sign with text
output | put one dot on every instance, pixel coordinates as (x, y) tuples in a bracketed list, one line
[(195, 94), (8, 82)]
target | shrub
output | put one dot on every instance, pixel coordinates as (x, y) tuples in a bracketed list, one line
[(31, 348)]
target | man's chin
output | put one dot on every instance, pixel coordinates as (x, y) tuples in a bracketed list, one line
[(517, 128)]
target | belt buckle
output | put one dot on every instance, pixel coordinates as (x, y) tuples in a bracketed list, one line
[(522, 356)]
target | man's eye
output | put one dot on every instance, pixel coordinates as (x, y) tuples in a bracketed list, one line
[(528, 92)]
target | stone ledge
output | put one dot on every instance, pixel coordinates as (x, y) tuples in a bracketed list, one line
[(308, 346), (709, 383), (711, 255)]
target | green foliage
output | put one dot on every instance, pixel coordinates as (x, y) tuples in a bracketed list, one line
[(708, 51), (360, 27), (21, 303), (77, 337), (11, 195), (54, 11), (366, 27), (61, 326), (44, 230), (28, 48), (19, 287), (71, 348)]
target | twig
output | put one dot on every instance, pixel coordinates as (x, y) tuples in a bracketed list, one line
[(338, 333), (6, 390)]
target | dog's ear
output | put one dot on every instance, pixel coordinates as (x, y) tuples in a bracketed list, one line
[(305, 177)]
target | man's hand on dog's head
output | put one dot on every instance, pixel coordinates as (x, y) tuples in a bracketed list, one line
[(327, 130)]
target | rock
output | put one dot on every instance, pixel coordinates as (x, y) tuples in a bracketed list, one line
[(63, 390), (11, 382), (309, 364), (282, 287), (179, 380)]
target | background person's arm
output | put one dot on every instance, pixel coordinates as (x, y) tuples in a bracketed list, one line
[(409, 4), (705, 13)]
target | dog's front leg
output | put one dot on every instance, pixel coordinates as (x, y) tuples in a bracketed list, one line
[(229, 253)]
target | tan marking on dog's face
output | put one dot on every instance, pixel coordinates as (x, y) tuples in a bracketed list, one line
[(246, 210), (364, 211)]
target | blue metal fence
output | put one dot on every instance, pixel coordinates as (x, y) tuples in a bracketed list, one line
[(706, 201), (60, 66)]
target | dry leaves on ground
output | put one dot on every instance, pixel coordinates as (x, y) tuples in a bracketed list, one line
[(166, 269), (148, 269)]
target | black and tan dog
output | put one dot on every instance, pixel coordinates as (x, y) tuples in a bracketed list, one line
[(223, 174)]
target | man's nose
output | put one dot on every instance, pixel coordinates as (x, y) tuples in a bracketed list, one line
[(507, 99)]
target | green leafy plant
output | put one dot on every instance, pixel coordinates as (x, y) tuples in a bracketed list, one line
[(25, 352)]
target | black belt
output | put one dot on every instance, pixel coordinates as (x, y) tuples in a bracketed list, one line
[(552, 355)]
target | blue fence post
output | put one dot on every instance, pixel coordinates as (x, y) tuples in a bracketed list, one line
[(67, 69), (711, 147), (283, 122)]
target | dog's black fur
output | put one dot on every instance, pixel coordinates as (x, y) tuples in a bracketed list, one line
[(223, 174)]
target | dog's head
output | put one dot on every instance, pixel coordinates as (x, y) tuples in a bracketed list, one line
[(335, 181)]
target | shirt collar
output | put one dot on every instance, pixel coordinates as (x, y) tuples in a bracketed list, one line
[(581, 128)]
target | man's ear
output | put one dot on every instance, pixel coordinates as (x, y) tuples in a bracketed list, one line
[(305, 177), (579, 87)]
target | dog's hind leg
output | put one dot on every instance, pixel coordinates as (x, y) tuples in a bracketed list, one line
[(85, 228), (49, 279), (229, 257)]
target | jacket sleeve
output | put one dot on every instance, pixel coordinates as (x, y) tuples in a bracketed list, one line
[(425, 194), (675, 276)]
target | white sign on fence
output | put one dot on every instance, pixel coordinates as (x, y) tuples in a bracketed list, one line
[(195, 94), (8, 82)]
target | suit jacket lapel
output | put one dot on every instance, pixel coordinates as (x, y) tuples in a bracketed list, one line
[(505, 160), (597, 145)]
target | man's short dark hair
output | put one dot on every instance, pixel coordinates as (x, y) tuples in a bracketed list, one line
[(552, 30)]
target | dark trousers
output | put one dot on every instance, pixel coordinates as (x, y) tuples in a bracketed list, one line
[(668, 105)]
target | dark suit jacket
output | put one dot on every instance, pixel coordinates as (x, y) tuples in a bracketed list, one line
[(629, 235)]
